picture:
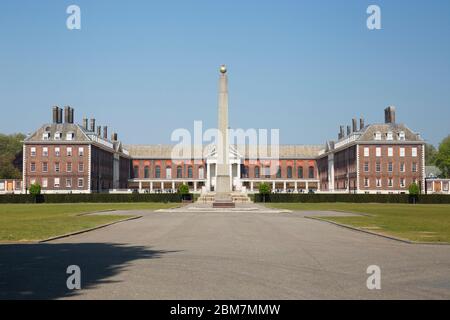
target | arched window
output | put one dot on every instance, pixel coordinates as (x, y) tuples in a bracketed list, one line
[(257, 174), (179, 172), (136, 172), (289, 172), (300, 172), (245, 172), (146, 172), (168, 172), (157, 172), (190, 175), (311, 172), (201, 173), (279, 172)]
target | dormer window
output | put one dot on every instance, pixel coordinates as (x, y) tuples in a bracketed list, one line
[(389, 136), (377, 135), (57, 135), (46, 136), (70, 136), (401, 136)]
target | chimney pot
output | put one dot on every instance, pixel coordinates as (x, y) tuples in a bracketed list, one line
[(92, 125), (55, 114), (66, 114), (60, 115), (71, 115)]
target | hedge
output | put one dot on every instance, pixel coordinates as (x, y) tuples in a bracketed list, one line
[(94, 198), (353, 198)]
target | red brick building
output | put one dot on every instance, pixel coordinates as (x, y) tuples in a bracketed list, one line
[(376, 158), (64, 157)]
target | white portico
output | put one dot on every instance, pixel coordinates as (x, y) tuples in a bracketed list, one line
[(235, 160)]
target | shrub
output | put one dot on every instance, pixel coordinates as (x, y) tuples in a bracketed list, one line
[(35, 189), (183, 189)]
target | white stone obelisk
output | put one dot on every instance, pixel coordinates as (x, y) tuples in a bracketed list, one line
[(223, 178)]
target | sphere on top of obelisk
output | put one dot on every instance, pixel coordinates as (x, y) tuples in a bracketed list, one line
[(223, 69)]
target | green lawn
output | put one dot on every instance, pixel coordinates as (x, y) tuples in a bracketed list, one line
[(424, 223), (31, 222)]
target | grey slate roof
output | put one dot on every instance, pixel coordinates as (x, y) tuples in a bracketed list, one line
[(64, 128), (368, 132)]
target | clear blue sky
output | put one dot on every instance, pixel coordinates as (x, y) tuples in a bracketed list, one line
[(148, 67)]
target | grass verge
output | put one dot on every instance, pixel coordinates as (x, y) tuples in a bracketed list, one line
[(421, 223), (34, 222)]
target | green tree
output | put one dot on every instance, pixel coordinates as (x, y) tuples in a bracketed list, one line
[(414, 192), (10, 154), (264, 190), (443, 157), (430, 154)]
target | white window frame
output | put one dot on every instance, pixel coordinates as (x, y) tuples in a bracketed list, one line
[(402, 182), (366, 151), (69, 151), (377, 136), (57, 152), (401, 136), (33, 151), (46, 136), (81, 165), (70, 136), (44, 183), (45, 169), (378, 152), (67, 167), (68, 183), (82, 183), (414, 152), (33, 167), (389, 136), (390, 152), (366, 182), (58, 135), (45, 152), (402, 152), (57, 183), (81, 151)]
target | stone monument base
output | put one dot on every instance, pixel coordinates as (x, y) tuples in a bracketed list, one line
[(223, 204), (222, 198)]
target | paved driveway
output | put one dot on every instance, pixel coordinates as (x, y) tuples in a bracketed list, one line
[(225, 256)]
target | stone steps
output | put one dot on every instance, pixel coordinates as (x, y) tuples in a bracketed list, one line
[(236, 197)]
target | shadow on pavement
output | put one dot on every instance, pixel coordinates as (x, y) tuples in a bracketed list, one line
[(38, 271)]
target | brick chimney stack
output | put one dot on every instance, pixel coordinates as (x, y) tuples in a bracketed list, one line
[(389, 115)]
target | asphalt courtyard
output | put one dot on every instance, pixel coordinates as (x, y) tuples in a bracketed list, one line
[(224, 255)]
